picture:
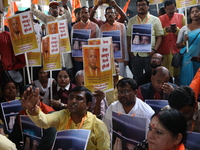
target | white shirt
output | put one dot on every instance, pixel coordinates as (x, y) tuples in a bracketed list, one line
[(139, 109)]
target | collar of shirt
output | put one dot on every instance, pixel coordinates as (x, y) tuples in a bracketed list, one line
[(86, 22), (146, 18), (66, 88)]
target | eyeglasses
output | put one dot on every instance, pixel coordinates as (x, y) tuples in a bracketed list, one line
[(76, 97), (110, 13), (64, 76), (124, 92), (141, 5), (155, 58)]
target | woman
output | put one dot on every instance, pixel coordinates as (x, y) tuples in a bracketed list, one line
[(44, 83), (188, 67), (167, 131), (61, 90)]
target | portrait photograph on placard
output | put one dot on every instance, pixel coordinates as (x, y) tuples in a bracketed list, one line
[(80, 38), (141, 38), (116, 42)]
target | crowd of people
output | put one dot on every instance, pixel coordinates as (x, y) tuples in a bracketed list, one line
[(69, 105)]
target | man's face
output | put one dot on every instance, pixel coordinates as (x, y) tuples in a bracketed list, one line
[(79, 80), (78, 17), (126, 95), (110, 15), (188, 112), (158, 80), (144, 40), (92, 58), (117, 69), (116, 47), (170, 10), (15, 26), (142, 7), (77, 103), (84, 14), (53, 28), (156, 60), (54, 10)]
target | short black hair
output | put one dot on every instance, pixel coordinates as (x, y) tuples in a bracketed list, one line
[(109, 7), (124, 81), (5, 83), (143, 0), (77, 10), (88, 94), (181, 97), (173, 121), (169, 2)]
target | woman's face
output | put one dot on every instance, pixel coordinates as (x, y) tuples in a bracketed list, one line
[(63, 79), (159, 138), (195, 13), (10, 91)]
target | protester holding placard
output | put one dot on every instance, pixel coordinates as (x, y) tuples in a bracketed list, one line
[(167, 131), (140, 61), (110, 25), (75, 117), (85, 24)]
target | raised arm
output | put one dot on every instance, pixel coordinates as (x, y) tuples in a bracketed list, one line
[(92, 13)]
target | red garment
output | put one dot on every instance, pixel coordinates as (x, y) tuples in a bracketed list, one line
[(8, 58), (195, 84), (169, 40)]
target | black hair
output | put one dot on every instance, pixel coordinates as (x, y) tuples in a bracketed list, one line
[(143, 0), (84, 7), (66, 70), (173, 121), (5, 83), (169, 2), (181, 97), (109, 7), (123, 83), (162, 10), (189, 17), (88, 94), (77, 10)]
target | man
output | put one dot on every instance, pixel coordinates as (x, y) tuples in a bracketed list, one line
[(183, 99), (99, 103), (168, 45), (92, 69), (127, 103), (77, 15), (54, 11), (15, 26), (156, 61), (75, 117), (117, 8), (110, 25), (86, 24), (141, 61), (159, 87)]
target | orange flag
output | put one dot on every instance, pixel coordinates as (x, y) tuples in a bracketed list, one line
[(35, 1), (126, 6), (75, 4), (15, 8)]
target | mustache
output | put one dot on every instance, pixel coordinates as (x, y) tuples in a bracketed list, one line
[(110, 16)]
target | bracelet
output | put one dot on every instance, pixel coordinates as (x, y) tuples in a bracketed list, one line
[(183, 43), (154, 50)]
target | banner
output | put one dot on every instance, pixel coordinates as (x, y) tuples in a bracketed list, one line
[(22, 33), (128, 130), (60, 27), (116, 42), (71, 139), (156, 105), (51, 52), (30, 132), (97, 67), (79, 38), (155, 1), (35, 57), (105, 40), (141, 38), (185, 3), (9, 111)]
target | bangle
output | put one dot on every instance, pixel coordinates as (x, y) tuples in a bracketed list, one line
[(183, 43), (154, 50)]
